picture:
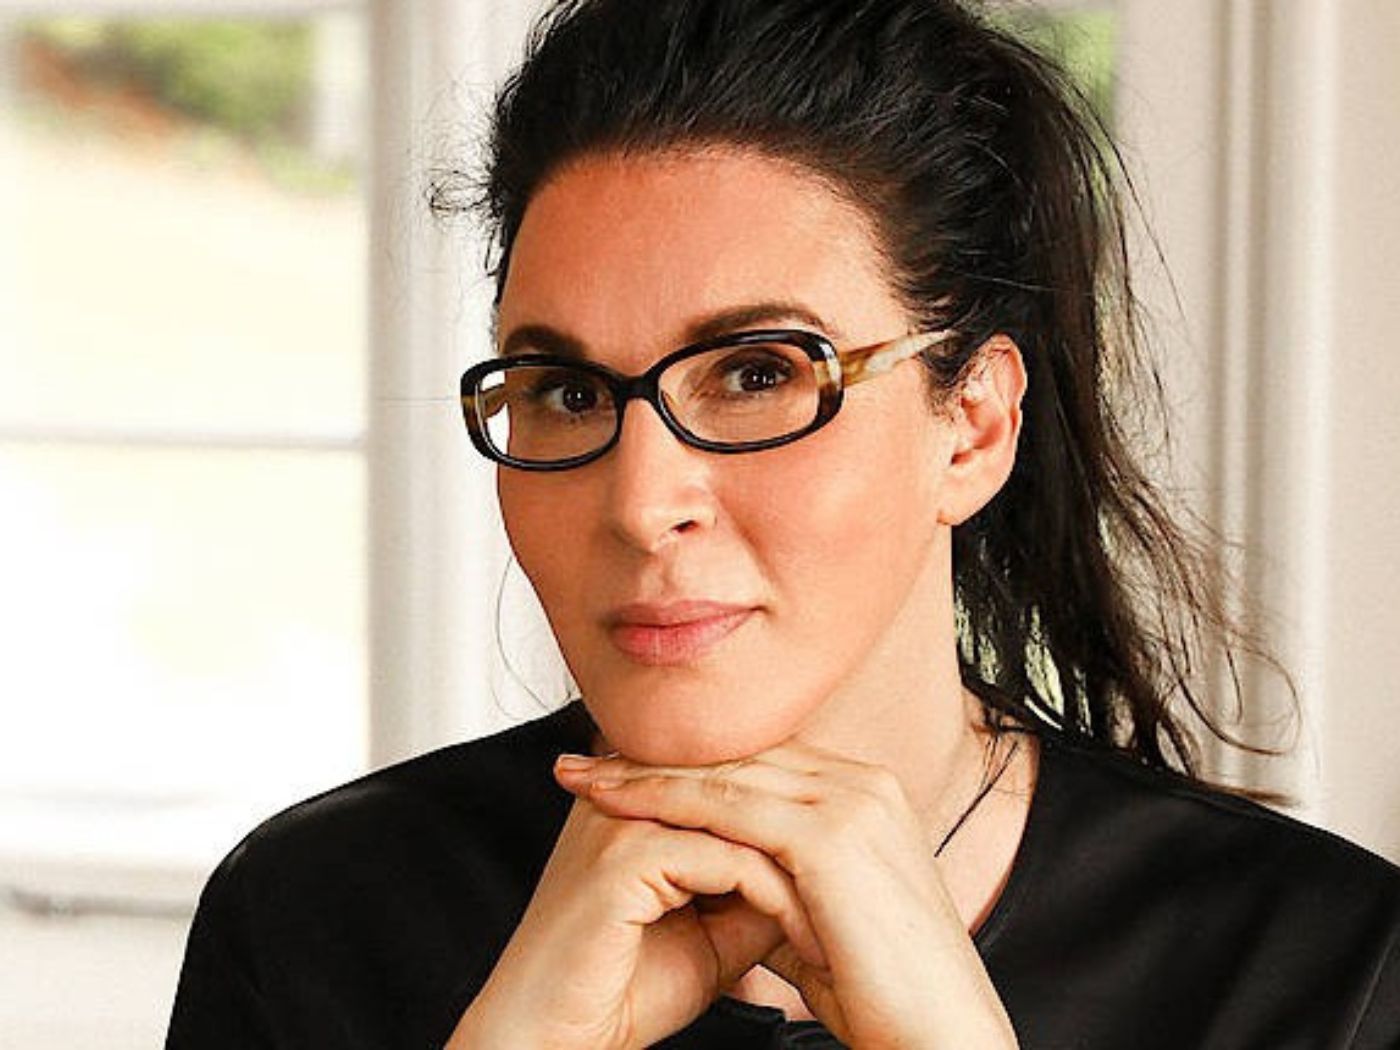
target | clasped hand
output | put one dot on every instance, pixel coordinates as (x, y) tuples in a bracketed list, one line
[(667, 884)]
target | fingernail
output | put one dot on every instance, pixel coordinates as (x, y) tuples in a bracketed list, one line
[(606, 785), (574, 763)]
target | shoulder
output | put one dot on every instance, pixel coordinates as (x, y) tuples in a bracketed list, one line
[(453, 802), (1174, 914), (381, 904), (1108, 805)]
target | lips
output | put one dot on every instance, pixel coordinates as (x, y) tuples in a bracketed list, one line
[(660, 634)]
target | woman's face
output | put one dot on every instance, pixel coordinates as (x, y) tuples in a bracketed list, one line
[(710, 606)]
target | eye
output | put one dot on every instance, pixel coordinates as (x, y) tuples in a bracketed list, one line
[(566, 393), (754, 372), (574, 398)]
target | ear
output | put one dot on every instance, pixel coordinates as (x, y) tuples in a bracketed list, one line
[(985, 412)]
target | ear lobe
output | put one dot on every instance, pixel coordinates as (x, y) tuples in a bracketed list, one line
[(986, 415)]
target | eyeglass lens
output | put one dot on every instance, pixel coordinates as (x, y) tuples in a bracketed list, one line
[(731, 395)]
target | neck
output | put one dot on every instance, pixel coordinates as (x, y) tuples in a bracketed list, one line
[(906, 709)]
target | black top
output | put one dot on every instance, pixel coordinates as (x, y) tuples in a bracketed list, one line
[(1141, 912)]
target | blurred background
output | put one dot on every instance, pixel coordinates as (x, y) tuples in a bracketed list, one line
[(246, 552)]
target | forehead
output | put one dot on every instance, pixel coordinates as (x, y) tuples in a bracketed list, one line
[(628, 254)]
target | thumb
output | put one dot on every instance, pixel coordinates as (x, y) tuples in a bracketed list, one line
[(814, 982), (740, 934)]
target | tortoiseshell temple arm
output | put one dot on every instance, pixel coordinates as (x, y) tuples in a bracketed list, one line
[(491, 401), (867, 362)]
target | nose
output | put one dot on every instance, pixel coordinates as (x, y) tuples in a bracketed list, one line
[(659, 487)]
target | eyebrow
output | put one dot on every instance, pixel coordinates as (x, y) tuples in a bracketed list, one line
[(542, 338)]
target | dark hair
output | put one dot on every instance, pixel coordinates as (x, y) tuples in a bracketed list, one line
[(994, 190)]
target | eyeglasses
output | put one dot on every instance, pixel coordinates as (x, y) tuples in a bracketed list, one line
[(742, 392)]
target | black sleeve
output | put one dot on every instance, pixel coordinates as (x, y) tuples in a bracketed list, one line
[(1380, 1024), (218, 1004)]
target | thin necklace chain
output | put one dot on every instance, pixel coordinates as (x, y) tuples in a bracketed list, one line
[(988, 782)]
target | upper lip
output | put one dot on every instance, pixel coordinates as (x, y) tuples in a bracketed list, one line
[(669, 614)]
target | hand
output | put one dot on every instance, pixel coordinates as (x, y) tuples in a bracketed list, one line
[(900, 969), (613, 950)]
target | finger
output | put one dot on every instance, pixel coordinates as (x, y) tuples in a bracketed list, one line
[(796, 784), (800, 756), (651, 869), (789, 964), (816, 985), (793, 769), (777, 826), (704, 865), (794, 755), (740, 933)]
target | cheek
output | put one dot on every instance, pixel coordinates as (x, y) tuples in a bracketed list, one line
[(544, 541), (520, 514), (861, 491), (848, 527)]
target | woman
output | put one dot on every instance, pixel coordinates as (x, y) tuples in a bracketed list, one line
[(814, 334)]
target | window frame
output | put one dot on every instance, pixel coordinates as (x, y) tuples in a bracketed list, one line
[(155, 878)]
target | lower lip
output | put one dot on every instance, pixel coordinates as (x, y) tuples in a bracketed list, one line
[(675, 643)]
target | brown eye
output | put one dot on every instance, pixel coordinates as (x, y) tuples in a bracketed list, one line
[(753, 372), (577, 399), (566, 394)]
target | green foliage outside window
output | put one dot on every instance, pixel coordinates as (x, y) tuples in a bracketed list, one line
[(1083, 41), (251, 79)]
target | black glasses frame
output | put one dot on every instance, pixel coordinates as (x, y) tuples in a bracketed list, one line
[(835, 370)]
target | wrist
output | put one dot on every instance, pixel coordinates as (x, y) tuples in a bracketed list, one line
[(470, 1033), (481, 1027)]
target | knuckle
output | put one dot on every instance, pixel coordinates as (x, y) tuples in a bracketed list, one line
[(736, 765), (875, 806), (754, 863), (667, 894), (880, 782), (855, 809), (618, 841), (720, 788), (784, 857)]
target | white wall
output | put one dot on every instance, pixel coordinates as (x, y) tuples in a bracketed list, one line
[(1265, 135), (439, 553), (1362, 725)]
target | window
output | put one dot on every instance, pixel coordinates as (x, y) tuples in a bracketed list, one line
[(183, 332)]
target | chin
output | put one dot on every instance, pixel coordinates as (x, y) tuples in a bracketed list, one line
[(676, 727)]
